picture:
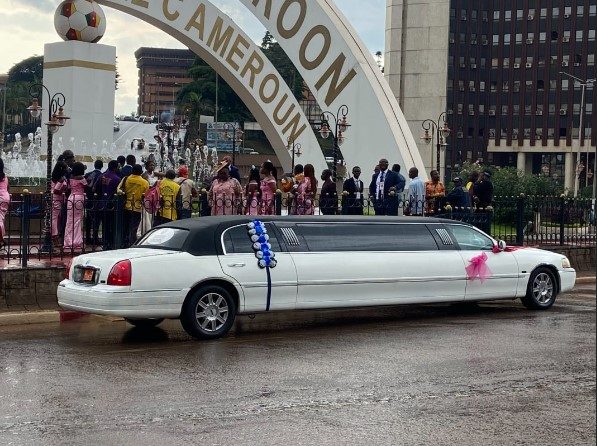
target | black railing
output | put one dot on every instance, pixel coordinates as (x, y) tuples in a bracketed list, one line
[(81, 225)]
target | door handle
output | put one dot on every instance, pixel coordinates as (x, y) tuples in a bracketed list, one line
[(236, 265)]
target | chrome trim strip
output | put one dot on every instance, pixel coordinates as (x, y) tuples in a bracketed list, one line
[(445, 236), (290, 236)]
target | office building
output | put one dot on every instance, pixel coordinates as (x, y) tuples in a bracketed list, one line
[(504, 72)]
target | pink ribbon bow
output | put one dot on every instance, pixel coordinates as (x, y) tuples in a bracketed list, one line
[(478, 268)]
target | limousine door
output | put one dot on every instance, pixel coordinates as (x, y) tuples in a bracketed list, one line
[(361, 264), (239, 263), (502, 268)]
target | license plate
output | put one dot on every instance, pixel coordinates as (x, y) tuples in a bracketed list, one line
[(88, 275), (85, 275)]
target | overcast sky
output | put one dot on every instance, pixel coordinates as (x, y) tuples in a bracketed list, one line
[(26, 25)]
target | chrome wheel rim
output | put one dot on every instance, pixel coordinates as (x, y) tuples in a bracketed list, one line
[(543, 288), (212, 312)]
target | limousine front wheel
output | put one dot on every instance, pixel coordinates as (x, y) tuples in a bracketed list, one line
[(541, 290), (208, 313)]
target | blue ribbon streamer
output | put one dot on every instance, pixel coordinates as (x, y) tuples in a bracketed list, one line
[(269, 288)]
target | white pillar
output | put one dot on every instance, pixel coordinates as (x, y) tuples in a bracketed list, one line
[(85, 74), (521, 161), (569, 171)]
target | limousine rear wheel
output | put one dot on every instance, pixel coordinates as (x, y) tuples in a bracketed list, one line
[(541, 290), (208, 313)]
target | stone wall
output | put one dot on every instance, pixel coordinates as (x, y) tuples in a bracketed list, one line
[(29, 289)]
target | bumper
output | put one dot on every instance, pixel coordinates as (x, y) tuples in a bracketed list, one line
[(567, 279), (130, 304)]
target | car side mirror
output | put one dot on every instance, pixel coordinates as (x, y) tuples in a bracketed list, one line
[(501, 246)]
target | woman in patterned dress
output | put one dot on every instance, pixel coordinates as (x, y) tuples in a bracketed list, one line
[(268, 187), (225, 193), (75, 206), (305, 193)]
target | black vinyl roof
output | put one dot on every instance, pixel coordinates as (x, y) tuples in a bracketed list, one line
[(205, 232)]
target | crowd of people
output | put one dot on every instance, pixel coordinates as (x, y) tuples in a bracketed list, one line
[(152, 197)]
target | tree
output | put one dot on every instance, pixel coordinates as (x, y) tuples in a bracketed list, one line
[(29, 70), (284, 65)]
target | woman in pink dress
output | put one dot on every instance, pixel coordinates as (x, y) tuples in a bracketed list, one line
[(59, 185), (4, 201), (305, 193), (252, 192), (225, 193), (268, 187), (75, 206)]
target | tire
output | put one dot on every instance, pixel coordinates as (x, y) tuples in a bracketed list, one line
[(208, 313), (144, 323), (542, 290)]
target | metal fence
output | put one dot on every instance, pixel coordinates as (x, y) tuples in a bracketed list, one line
[(80, 225)]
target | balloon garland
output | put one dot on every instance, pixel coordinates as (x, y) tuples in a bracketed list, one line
[(263, 251), (261, 245)]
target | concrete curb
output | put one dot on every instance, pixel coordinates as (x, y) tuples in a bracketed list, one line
[(585, 280)]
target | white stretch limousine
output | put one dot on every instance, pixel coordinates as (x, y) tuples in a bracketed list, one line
[(206, 271)]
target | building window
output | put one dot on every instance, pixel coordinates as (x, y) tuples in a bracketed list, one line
[(474, 14), (506, 39), (516, 109), (471, 86), (463, 14), (590, 59), (567, 11), (564, 84), (518, 37), (579, 35), (592, 10), (496, 15), (482, 86), (496, 39), (506, 63), (555, 12), (543, 12), (494, 62), (504, 109), (554, 35), (516, 86), (505, 86), (579, 10), (541, 61), (591, 35), (542, 36), (540, 84), (507, 15)]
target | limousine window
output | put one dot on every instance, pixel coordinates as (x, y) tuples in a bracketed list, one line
[(367, 237), (164, 238), (470, 239), (237, 241)]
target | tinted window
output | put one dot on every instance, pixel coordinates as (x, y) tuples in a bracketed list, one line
[(367, 237), (237, 241), (164, 238), (470, 239)]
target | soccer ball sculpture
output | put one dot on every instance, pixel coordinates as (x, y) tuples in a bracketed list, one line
[(81, 20)]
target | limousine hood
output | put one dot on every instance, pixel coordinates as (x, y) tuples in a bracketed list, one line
[(530, 256)]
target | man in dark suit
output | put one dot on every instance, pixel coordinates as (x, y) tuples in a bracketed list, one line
[(381, 188), (354, 187)]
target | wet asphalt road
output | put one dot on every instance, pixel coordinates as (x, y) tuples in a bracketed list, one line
[(436, 375)]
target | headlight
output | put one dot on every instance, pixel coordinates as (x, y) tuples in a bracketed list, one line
[(565, 262)]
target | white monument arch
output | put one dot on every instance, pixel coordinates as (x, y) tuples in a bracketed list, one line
[(330, 56)]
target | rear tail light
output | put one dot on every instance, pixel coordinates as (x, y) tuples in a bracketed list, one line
[(67, 272), (121, 273)]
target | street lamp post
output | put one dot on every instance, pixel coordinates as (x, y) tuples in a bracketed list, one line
[(56, 119), (579, 168), (237, 134), (341, 126), (295, 149), (440, 131)]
